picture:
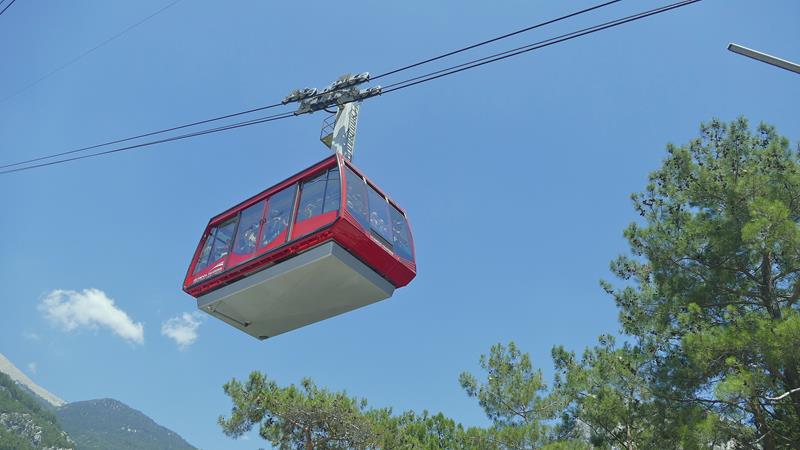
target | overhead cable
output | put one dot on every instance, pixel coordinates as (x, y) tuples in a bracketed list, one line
[(152, 133), (391, 88), (489, 41), (160, 141), (6, 7), (82, 55), (166, 130), (530, 47)]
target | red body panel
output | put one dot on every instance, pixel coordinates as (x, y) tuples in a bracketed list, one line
[(339, 226), (307, 226), (349, 234)]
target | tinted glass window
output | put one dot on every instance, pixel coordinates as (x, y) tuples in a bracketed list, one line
[(379, 214), (357, 197), (400, 235), (247, 234), (202, 260), (312, 194), (333, 194), (222, 240), (279, 213)]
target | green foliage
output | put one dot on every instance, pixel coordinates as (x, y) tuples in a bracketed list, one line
[(511, 397), (609, 398), (713, 282), (568, 444), (307, 417), (13, 441), (110, 424), (410, 431), (29, 417), (14, 399), (311, 418), (610, 402)]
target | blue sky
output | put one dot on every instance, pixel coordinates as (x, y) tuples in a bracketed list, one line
[(516, 178)]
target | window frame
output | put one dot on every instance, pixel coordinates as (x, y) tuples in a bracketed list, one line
[(363, 182), (223, 223), (409, 238), (300, 228), (259, 221), (294, 204), (384, 240), (327, 187), (315, 178), (208, 238)]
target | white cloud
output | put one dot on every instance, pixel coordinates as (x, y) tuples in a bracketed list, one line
[(31, 336), (32, 368), (182, 329), (90, 308)]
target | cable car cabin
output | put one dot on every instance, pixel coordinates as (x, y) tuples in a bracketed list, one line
[(300, 252)]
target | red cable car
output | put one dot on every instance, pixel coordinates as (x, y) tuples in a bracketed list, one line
[(300, 252)]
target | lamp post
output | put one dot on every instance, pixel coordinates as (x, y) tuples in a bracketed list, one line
[(763, 57)]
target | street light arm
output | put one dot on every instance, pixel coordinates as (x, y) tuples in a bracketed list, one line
[(763, 57)]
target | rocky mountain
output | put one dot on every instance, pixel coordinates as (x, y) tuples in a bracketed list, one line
[(31, 418), (11, 370), (110, 424), (25, 424)]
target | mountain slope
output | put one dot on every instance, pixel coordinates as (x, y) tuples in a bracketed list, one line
[(110, 424), (11, 370), (24, 423), (31, 418)]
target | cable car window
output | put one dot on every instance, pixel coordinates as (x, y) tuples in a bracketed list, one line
[(379, 215), (279, 214), (333, 191), (247, 235), (357, 197), (222, 240), (312, 194), (400, 241), (202, 260)]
